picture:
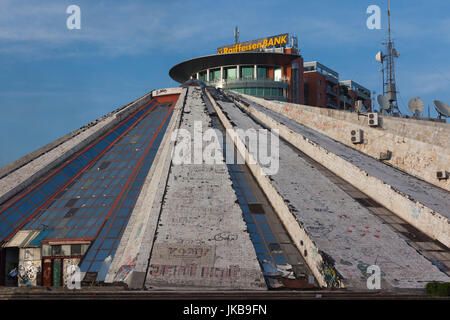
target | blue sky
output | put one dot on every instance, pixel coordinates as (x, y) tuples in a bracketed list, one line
[(53, 80)]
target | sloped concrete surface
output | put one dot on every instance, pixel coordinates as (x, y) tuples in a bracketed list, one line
[(341, 228), (199, 205), (431, 196)]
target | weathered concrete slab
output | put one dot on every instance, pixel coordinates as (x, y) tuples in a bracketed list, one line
[(420, 148), (421, 204), (345, 232), (198, 205)]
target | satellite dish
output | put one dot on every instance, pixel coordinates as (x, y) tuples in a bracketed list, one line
[(383, 102), (415, 105), (379, 57), (395, 53), (442, 108)]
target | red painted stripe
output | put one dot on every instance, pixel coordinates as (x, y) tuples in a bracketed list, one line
[(85, 167)]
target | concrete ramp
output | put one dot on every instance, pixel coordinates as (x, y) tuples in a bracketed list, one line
[(201, 238), (345, 234)]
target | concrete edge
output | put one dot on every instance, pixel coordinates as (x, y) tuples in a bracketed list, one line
[(101, 126), (417, 214), (130, 250), (322, 270)]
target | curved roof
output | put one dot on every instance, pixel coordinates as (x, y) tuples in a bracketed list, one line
[(182, 71)]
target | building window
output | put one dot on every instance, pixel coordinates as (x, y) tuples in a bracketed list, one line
[(247, 72), (76, 250), (230, 73), (277, 74), (56, 250), (46, 250), (65, 250), (320, 82), (261, 73)]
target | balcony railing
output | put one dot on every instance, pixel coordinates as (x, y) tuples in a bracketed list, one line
[(250, 83)]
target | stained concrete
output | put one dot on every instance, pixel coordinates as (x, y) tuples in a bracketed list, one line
[(340, 226), (200, 204)]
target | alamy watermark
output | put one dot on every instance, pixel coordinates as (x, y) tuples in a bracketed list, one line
[(74, 20), (206, 147), (374, 280), (374, 20)]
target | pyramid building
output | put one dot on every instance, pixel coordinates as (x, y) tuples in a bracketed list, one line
[(169, 192)]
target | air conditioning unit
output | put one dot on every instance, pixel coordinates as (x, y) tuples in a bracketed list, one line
[(442, 175), (386, 155), (372, 119), (356, 136)]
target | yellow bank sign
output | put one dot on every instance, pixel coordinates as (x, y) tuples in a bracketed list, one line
[(254, 45)]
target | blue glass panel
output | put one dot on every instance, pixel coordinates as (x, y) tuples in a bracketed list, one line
[(260, 218), (100, 146), (262, 256), (91, 153), (269, 238), (252, 228), (95, 267), (80, 162), (24, 207), (248, 218), (36, 198), (260, 248), (265, 227), (59, 179), (48, 188), (256, 238), (13, 217), (279, 258), (111, 137)]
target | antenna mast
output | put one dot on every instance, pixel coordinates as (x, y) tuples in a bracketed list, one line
[(236, 35), (389, 82)]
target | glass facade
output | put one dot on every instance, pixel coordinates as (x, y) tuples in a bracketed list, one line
[(230, 73), (269, 93), (247, 72), (91, 197), (263, 85), (262, 73)]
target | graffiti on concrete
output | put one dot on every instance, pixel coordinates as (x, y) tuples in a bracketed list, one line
[(415, 211), (125, 270), (194, 271), (225, 236), (70, 268), (28, 272), (364, 231), (362, 267), (188, 252), (331, 275)]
